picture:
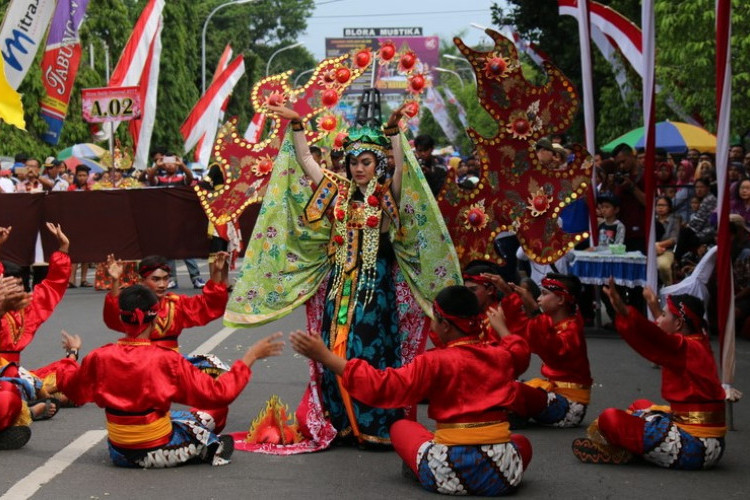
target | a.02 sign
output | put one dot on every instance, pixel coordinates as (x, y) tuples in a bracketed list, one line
[(111, 104)]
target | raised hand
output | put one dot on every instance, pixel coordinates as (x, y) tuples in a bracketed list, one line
[(70, 342), (395, 117), (284, 112), (310, 346), (4, 234), (264, 348), (496, 315), (62, 240), (499, 282), (113, 267), (615, 298)]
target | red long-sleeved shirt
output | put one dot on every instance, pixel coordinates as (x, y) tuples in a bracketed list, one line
[(688, 369), (176, 312), (463, 381), (17, 328), (135, 376), (561, 346)]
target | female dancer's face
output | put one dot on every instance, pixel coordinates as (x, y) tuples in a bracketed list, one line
[(362, 167)]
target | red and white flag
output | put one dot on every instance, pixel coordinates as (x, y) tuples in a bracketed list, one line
[(203, 148), (142, 128), (255, 128), (135, 55), (204, 117), (725, 285)]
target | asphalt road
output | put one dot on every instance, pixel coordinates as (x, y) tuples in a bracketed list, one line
[(83, 470)]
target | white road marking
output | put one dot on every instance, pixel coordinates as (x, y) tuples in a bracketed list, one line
[(53, 467), (43, 474), (215, 340)]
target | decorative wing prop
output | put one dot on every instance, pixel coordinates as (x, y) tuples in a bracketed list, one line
[(246, 166), (515, 192)]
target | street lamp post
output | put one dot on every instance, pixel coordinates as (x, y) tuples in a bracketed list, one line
[(461, 59), (282, 49), (445, 70), (203, 38), (302, 74)]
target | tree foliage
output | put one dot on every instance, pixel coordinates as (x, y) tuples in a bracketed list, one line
[(685, 60), (256, 30)]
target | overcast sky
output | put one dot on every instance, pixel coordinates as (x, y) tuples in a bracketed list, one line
[(444, 18)]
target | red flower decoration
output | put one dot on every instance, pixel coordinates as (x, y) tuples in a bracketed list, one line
[(343, 75), (372, 221), (340, 214), (263, 166), (362, 59), (327, 122), (329, 98), (338, 239), (495, 66), (411, 109), (373, 200), (387, 51), (407, 62), (338, 141), (416, 83), (275, 98)]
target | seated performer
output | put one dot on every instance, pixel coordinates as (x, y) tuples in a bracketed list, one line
[(689, 433), (478, 278), (553, 326), (176, 312), (469, 384), (23, 314), (136, 382)]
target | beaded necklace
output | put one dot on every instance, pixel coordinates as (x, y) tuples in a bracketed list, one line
[(369, 242)]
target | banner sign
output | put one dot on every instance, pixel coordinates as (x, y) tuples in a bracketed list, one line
[(381, 32), (60, 65), (387, 78), (21, 36), (111, 104)]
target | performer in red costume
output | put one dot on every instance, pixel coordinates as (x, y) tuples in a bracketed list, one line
[(469, 384), (478, 277), (689, 433), (136, 382), (553, 326), (22, 318), (176, 312)]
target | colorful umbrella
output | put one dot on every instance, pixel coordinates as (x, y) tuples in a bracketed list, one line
[(72, 162), (84, 150), (674, 137)]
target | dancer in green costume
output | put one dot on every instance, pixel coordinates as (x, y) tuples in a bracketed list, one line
[(380, 247)]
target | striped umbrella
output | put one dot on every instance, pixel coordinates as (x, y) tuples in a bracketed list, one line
[(83, 150), (674, 137), (72, 162)]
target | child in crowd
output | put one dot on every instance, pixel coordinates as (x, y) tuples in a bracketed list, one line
[(469, 384), (689, 433), (611, 230), (136, 382)]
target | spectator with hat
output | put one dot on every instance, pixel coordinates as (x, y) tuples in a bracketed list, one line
[(545, 153), (52, 179)]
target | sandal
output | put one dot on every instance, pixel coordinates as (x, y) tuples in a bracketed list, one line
[(71, 285), (85, 284), (48, 412)]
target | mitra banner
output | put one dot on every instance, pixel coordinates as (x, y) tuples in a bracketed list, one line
[(21, 36), (60, 65)]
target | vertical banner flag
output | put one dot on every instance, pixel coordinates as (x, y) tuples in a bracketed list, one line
[(203, 148), (130, 67), (435, 103), (461, 111), (60, 65), (201, 123), (142, 128), (725, 284), (11, 107), (649, 119), (21, 36), (255, 128)]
